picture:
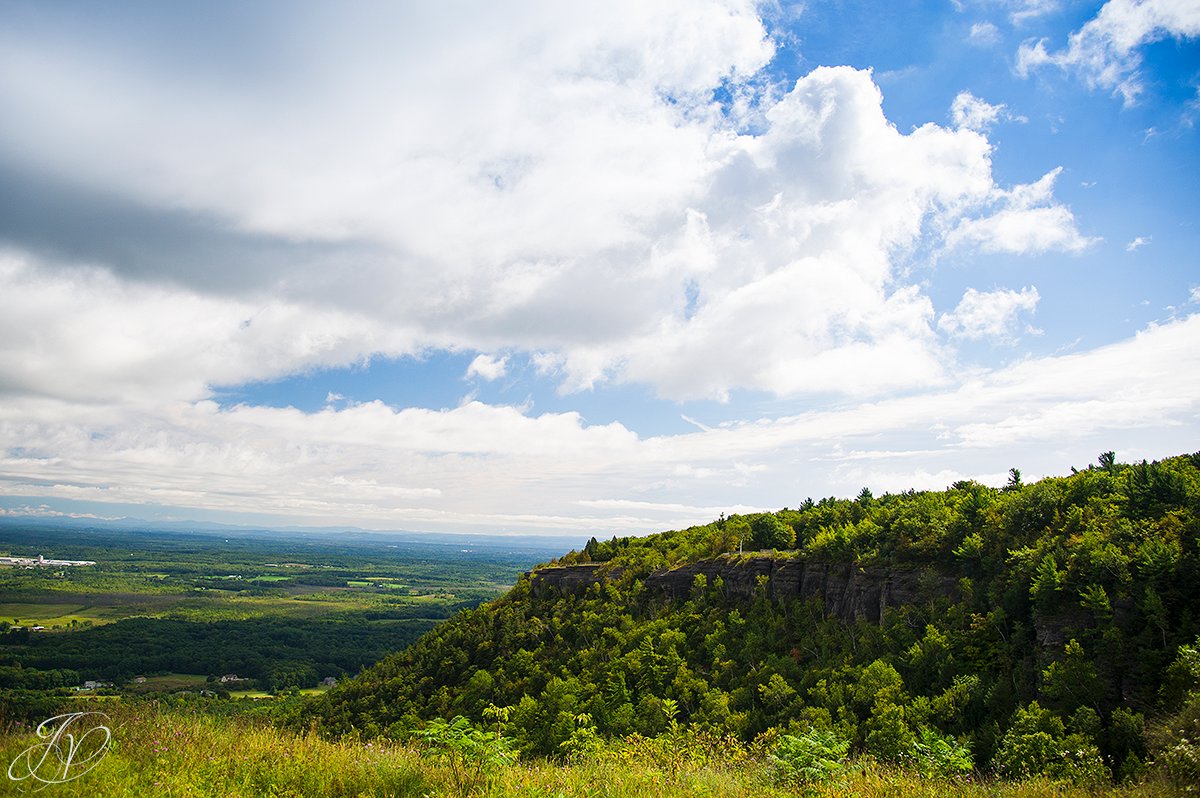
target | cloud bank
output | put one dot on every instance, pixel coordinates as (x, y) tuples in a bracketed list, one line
[(487, 467), (575, 187)]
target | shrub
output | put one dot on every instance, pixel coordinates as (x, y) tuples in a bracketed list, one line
[(1177, 746), (1036, 744), (472, 754), (935, 755), (1176, 740), (889, 738), (814, 757), (584, 744)]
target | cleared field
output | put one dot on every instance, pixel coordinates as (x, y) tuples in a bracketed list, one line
[(170, 681), (314, 690), (58, 611), (52, 615), (27, 611)]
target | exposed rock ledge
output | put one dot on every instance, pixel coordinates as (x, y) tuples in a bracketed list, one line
[(850, 592)]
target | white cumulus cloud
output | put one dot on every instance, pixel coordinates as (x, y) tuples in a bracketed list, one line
[(487, 367), (1025, 219), (970, 112), (988, 314), (84, 334), (1106, 50)]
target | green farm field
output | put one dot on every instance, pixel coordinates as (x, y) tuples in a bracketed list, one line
[(283, 611)]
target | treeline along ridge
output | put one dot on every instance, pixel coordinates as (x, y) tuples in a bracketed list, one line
[(1042, 628)]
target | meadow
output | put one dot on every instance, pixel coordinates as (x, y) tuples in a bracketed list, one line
[(165, 749)]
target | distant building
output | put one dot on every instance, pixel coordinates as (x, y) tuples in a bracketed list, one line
[(328, 681), (41, 562)]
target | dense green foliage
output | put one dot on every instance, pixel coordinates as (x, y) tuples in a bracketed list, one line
[(1073, 597), (276, 652), (1175, 738)]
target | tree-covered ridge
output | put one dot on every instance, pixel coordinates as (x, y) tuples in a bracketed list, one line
[(1074, 596)]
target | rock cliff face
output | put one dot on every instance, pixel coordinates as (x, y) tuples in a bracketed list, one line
[(565, 578), (850, 592)]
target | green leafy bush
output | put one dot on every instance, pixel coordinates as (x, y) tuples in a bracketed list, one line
[(889, 737), (1176, 740), (472, 754), (1178, 747), (1037, 744), (935, 755), (814, 757), (584, 744)]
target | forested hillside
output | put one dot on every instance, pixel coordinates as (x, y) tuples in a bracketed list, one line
[(1042, 628)]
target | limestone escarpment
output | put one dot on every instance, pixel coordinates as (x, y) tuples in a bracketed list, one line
[(848, 591)]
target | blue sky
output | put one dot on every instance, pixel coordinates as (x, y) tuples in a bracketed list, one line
[(587, 268)]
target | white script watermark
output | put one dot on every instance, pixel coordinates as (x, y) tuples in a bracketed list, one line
[(71, 745)]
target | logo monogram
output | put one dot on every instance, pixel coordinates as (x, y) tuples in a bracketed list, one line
[(72, 745)]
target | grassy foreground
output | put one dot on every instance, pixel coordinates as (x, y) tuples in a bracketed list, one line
[(174, 751)]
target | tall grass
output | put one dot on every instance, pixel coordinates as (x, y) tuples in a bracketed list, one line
[(866, 779), (177, 753), (185, 752)]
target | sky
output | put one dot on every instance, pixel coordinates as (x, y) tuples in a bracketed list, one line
[(587, 268)]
